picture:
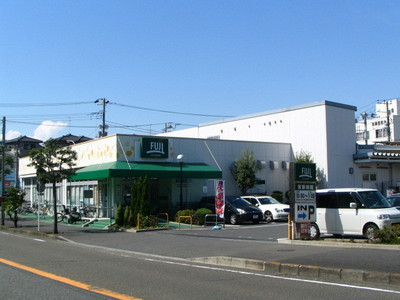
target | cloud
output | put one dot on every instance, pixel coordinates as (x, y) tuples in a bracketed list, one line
[(12, 134), (48, 129)]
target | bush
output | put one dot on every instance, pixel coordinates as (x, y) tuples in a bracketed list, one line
[(127, 214), (277, 195), (119, 218), (148, 222), (388, 235), (198, 217), (185, 212)]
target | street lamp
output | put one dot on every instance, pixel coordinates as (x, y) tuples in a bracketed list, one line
[(180, 160)]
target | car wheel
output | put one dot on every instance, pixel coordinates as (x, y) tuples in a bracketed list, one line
[(233, 219), (268, 216), (369, 231), (314, 231)]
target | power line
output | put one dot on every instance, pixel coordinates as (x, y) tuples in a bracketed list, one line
[(170, 112), (49, 125), (114, 103), (53, 115), (42, 104)]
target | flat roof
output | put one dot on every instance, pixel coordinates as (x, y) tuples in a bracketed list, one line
[(281, 110)]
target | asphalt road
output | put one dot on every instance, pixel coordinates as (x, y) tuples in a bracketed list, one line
[(259, 242), (139, 275)]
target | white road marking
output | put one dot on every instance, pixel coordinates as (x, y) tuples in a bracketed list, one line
[(274, 276)]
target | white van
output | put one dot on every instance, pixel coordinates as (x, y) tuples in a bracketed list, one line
[(352, 211)]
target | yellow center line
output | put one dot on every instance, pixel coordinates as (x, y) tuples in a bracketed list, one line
[(68, 281)]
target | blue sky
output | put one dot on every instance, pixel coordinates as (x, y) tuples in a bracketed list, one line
[(188, 62)]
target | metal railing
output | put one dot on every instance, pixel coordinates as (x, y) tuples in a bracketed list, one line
[(185, 217), (215, 220)]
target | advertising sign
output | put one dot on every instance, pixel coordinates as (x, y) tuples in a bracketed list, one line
[(154, 148), (305, 193), (305, 172), (220, 198)]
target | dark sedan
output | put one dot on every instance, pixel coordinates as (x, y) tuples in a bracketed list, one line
[(238, 210)]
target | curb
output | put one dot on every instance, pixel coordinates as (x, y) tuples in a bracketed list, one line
[(303, 271), (338, 243), (29, 232)]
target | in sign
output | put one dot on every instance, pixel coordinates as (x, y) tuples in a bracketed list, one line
[(305, 212)]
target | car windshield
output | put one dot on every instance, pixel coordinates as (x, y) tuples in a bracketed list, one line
[(239, 202), (268, 200), (374, 199)]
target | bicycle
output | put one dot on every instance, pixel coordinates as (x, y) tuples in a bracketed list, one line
[(63, 215), (88, 211), (25, 209), (47, 209)]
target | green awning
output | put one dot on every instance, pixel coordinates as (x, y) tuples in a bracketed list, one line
[(151, 170)]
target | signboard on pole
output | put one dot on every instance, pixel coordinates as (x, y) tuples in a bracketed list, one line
[(220, 198), (303, 200)]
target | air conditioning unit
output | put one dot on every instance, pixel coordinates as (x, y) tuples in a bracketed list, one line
[(261, 164), (273, 164), (285, 165)]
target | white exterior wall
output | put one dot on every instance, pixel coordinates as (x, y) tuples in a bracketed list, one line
[(340, 147), (221, 154), (324, 129), (217, 153)]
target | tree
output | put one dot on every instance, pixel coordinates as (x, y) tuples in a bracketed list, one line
[(119, 217), (53, 164), (13, 200), (140, 203), (306, 157), (8, 164), (303, 157), (244, 171)]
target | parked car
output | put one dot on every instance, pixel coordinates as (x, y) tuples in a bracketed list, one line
[(237, 210), (272, 209), (394, 200), (352, 211)]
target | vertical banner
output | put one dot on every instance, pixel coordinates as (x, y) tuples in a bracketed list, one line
[(220, 198)]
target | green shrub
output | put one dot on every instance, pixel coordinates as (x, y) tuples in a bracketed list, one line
[(132, 217), (119, 217), (388, 235), (148, 222), (198, 216), (126, 216), (185, 212), (277, 195)]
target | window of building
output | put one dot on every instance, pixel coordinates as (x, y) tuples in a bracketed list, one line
[(369, 177), (381, 133)]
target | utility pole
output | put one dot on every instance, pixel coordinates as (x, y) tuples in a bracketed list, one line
[(3, 162), (103, 127), (364, 116), (387, 120)]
